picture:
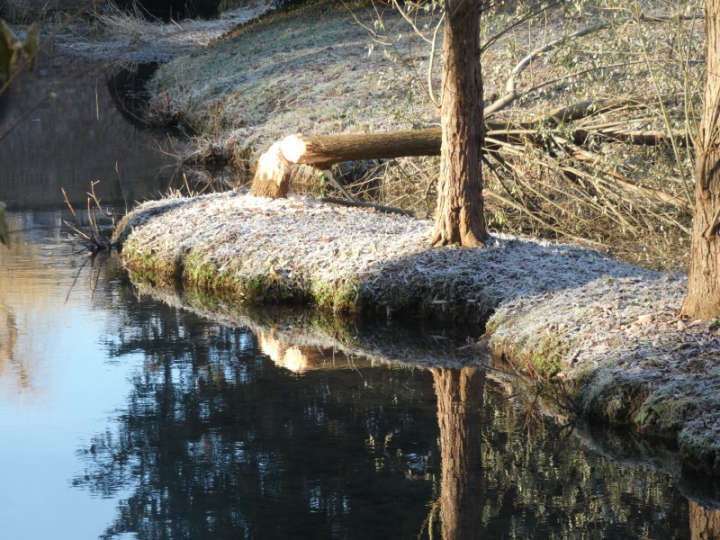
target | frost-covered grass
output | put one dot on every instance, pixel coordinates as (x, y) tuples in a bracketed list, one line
[(310, 71), (122, 36), (627, 355), (346, 260), (304, 71)]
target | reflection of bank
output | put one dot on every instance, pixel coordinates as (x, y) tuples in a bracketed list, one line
[(460, 403), (488, 475), (459, 396), (15, 299), (8, 339), (299, 358), (25, 296)]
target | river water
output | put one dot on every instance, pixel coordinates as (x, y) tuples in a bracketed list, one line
[(122, 416)]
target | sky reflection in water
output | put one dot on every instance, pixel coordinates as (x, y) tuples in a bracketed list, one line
[(124, 418)]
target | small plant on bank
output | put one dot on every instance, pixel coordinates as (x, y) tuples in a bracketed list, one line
[(96, 234)]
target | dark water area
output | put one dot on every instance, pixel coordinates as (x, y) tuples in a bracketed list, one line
[(124, 417), (205, 9), (61, 127)]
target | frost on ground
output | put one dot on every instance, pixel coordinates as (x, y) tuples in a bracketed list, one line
[(307, 71), (361, 260), (610, 330), (128, 38)]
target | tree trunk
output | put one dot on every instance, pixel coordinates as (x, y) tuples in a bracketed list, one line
[(704, 523), (276, 166), (703, 296), (279, 166), (459, 394), (459, 213)]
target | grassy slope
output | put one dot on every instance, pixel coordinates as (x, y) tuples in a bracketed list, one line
[(304, 71), (309, 71)]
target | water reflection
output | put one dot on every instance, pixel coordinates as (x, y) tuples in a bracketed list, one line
[(302, 358), (217, 440), (459, 397), (217, 430), (229, 434), (23, 298), (704, 522)]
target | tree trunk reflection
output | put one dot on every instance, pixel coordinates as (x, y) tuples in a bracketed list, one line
[(704, 523), (459, 393)]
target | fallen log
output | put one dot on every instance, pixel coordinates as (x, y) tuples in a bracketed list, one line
[(294, 155), (276, 166)]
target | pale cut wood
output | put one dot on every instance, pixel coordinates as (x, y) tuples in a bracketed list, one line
[(276, 166), (272, 176)]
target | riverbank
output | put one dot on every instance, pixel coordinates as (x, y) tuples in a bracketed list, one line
[(343, 67), (609, 331)]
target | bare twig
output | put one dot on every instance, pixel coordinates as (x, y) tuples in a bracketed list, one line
[(511, 93)]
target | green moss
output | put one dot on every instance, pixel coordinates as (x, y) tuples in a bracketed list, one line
[(345, 299), (150, 267), (341, 297), (548, 354), (200, 271)]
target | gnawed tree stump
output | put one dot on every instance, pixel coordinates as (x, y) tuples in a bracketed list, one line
[(282, 160)]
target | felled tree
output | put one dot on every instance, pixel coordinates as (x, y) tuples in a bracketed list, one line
[(459, 214)]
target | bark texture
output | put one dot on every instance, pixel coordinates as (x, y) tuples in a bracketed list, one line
[(703, 296), (459, 214), (459, 393), (322, 151), (704, 523)]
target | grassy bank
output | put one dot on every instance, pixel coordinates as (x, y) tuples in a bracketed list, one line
[(319, 70), (609, 332)]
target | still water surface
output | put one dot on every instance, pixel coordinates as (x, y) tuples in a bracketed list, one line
[(122, 417)]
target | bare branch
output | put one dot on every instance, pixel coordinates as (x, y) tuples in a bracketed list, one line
[(511, 93), (492, 39)]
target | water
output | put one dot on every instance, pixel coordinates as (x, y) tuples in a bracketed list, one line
[(60, 127), (123, 417)]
